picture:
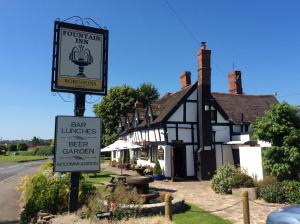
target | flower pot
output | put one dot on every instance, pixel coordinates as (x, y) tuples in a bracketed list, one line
[(158, 177)]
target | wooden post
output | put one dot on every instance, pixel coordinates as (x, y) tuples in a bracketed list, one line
[(168, 206), (246, 212), (79, 108)]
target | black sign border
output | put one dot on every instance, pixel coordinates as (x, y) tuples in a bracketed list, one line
[(55, 145), (55, 59)]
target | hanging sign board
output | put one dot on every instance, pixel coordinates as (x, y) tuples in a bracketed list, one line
[(80, 55), (77, 144)]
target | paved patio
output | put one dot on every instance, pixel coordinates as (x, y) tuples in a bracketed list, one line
[(199, 193)]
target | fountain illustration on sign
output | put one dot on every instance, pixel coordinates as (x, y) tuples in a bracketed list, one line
[(81, 56)]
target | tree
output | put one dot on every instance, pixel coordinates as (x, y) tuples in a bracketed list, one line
[(117, 102), (22, 147), (147, 93), (12, 148), (280, 126), (35, 141)]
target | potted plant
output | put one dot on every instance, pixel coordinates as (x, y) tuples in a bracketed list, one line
[(157, 172)]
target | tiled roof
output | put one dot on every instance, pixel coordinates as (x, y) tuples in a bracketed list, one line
[(163, 106), (244, 108)]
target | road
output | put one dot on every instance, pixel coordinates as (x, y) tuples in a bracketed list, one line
[(9, 198)]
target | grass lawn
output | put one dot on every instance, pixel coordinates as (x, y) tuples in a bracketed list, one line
[(195, 215), (16, 159), (98, 178)]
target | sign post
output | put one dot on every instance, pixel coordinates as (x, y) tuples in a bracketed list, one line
[(79, 66), (79, 108)]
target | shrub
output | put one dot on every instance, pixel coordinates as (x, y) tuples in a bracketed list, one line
[(49, 192), (12, 148), (241, 179), (122, 197), (117, 202), (157, 169), (266, 181), (22, 147), (273, 193), (281, 192), (44, 151), (222, 180)]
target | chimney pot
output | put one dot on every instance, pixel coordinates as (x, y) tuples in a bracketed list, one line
[(203, 45), (185, 79)]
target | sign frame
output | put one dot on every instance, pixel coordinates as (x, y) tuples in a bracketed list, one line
[(55, 87), (55, 144)]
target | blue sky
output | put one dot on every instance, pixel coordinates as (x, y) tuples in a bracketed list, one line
[(148, 42)]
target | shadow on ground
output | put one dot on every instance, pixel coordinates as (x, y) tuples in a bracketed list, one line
[(10, 222)]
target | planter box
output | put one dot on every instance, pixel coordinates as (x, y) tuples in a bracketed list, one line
[(252, 192)]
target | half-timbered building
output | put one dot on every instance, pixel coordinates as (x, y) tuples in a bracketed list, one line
[(193, 131)]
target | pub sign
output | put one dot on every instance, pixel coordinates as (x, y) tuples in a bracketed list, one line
[(77, 144), (80, 55)]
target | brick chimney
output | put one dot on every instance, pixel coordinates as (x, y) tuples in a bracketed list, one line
[(207, 158), (137, 104), (204, 71), (235, 82), (185, 79)]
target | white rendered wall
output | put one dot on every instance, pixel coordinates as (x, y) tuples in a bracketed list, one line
[(222, 133), (226, 157), (171, 134), (191, 112), (242, 138), (193, 95), (190, 171), (251, 161), (220, 118), (185, 134), (178, 115), (236, 128)]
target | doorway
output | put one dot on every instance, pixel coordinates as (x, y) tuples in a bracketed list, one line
[(179, 162)]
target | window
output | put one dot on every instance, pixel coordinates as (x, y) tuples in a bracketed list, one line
[(114, 154), (153, 154), (160, 153), (145, 152)]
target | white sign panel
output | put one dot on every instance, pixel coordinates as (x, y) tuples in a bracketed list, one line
[(77, 144), (80, 58)]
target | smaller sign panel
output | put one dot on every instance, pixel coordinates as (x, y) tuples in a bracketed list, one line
[(77, 144), (80, 55)]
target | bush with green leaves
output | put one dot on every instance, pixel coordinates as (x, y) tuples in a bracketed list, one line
[(49, 192), (280, 126), (157, 169), (281, 192), (241, 179), (123, 202), (12, 148), (22, 147), (222, 180), (228, 177)]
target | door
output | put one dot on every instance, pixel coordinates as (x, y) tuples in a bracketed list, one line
[(179, 161)]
